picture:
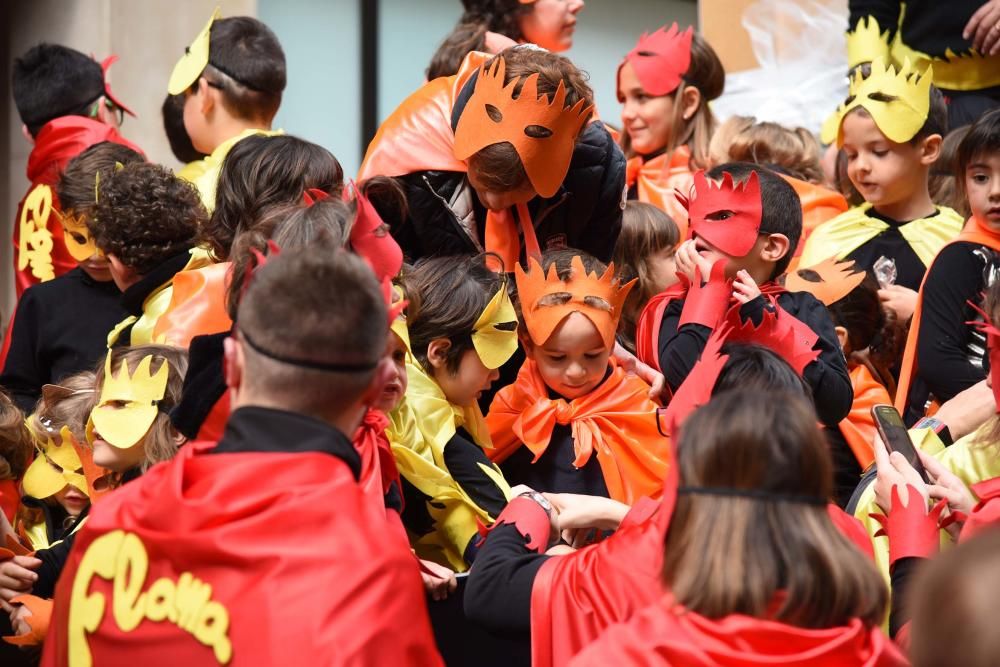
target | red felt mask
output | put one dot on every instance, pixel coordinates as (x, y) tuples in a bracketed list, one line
[(105, 65), (370, 240), (661, 59), (726, 215), (993, 344)]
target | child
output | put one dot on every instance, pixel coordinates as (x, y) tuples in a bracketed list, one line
[(232, 76), (66, 105), (944, 353), (16, 445), (665, 85), (574, 421), (890, 128), (644, 252), (146, 222), (462, 327), (745, 234), (57, 485), (61, 327)]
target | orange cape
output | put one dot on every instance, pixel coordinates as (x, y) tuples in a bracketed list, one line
[(657, 179), (616, 420), (819, 204), (197, 305), (973, 232), (858, 428)]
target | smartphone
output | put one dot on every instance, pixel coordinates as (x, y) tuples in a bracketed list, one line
[(895, 436)]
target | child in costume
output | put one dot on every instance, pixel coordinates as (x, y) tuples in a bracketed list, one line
[(66, 105), (743, 230), (890, 128), (462, 328), (944, 353), (16, 447), (574, 421), (644, 252), (664, 85), (232, 76), (146, 221), (61, 327), (501, 157)]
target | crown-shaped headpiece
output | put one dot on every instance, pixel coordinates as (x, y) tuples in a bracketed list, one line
[(660, 59), (542, 132), (55, 466), (898, 102), (494, 334), (129, 401), (727, 214), (599, 298), (865, 40), (829, 281)]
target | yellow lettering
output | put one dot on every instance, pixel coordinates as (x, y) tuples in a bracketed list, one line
[(34, 237), (121, 558)]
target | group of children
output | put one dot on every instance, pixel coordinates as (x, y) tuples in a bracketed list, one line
[(605, 391)]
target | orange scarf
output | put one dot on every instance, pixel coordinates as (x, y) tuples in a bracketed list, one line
[(657, 179), (616, 420), (858, 428), (973, 232)]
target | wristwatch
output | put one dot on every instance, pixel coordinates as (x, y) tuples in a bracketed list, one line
[(540, 499)]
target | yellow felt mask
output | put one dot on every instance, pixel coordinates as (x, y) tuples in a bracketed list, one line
[(897, 101), (193, 62), (494, 334), (129, 402), (79, 242), (55, 466)]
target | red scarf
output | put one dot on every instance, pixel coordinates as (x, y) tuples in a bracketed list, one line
[(378, 467)]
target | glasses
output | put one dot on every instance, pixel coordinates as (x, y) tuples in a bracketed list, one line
[(112, 108)]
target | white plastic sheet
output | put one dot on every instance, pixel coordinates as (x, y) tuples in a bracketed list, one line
[(801, 47)]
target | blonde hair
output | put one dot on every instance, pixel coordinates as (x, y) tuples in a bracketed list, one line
[(15, 440), (707, 75), (794, 151), (67, 403)]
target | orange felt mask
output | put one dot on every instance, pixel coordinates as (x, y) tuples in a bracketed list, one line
[(829, 281), (543, 133), (581, 289), (660, 59), (726, 215)]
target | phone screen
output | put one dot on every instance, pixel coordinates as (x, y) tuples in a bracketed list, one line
[(893, 431)]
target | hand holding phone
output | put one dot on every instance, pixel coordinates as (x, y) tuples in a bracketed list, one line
[(896, 438)]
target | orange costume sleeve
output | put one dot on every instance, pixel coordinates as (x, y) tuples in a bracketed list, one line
[(819, 204), (616, 421), (197, 305), (858, 427)]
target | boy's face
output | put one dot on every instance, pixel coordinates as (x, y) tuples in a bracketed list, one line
[(884, 172), (757, 262), (574, 360), (464, 387), (982, 187), (395, 388)]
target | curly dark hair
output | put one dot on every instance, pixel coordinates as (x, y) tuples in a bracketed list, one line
[(75, 188), (146, 215)]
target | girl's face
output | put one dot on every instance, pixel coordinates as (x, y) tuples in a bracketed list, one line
[(982, 187), (663, 269), (550, 23), (499, 200), (647, 120), (395, 388), (574, 360), (115, 459), (464, 387), (72, 499)]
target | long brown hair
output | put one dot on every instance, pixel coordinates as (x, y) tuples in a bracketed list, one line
[(707, 75), (780, 556)]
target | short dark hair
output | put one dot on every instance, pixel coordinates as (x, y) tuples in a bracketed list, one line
[(75, 188), (320, 304), (781, 209), (51, 81), (757, 368), (982, 138), (446, 296), (173, 125), (146, 215), (264, 171), (246, 62)]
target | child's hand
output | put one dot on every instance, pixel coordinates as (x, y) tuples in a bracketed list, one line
[(900, 300), (691, 263), (745, 288)]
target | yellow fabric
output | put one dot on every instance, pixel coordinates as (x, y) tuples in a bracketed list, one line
[(850, 230), (419, 428), (204, 174), (37, 535)]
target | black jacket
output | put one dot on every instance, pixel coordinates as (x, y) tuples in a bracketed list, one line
[(585, 213)]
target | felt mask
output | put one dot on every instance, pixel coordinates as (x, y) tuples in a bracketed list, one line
[(494, 335), (79, 243), (829, 281), (543, 133), (586, 293), (993, 345), (660, 59), (129, 401), (371, 240), (193, 62), (105, 65), (726, 215), (898, 102), (55, 466)]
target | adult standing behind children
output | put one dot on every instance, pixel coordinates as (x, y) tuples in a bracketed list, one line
[(503, 150), (238, 520), (231, 76), (65, 105)]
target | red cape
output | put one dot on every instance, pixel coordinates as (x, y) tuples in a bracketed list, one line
[(378, 466), (58, 142), (300, 567), (663, 634)]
